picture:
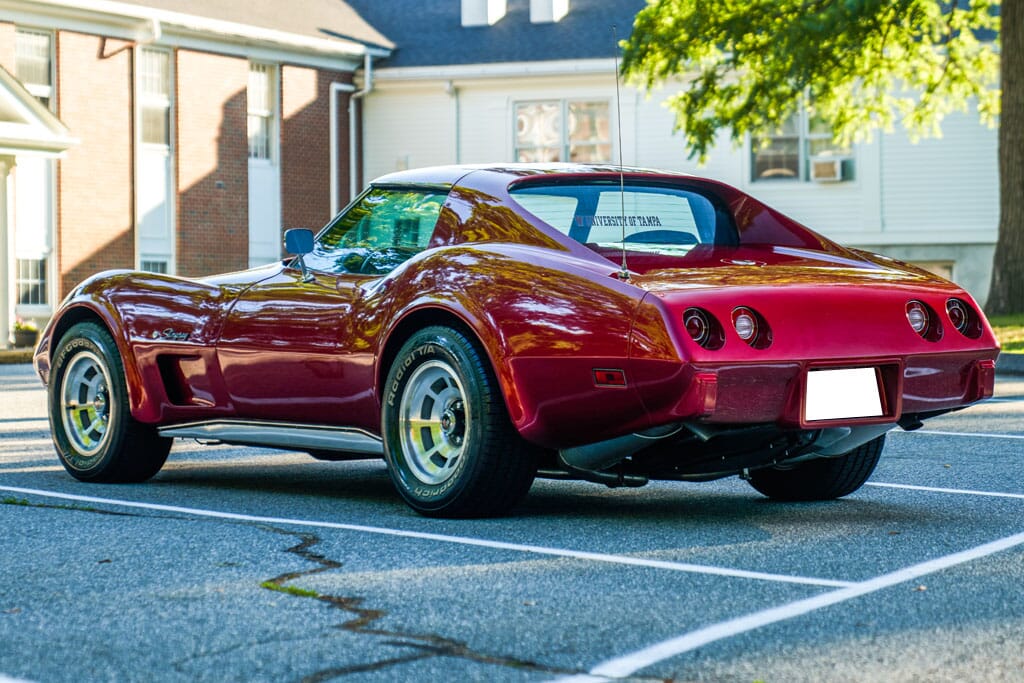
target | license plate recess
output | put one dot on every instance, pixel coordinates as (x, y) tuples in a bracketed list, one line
[(843, 394)]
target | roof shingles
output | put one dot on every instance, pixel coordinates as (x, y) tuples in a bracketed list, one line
[(430, 32)]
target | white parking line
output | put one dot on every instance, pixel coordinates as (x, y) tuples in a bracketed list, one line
[(629, 664), (976, 435), (462, 540), (933, 489)]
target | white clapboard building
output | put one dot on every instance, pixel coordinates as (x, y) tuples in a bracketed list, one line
[(528, 80)]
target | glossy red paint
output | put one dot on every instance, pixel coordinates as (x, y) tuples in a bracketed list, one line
[(546, 311)]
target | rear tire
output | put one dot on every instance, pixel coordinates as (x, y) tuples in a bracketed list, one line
[(821, 479), (96, 437), (450, 447)]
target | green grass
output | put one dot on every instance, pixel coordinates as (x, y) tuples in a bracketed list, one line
[(1009, 330), (289, 590)]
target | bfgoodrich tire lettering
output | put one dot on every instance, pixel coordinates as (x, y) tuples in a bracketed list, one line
[(822, 479), (93, 430), (450, 447)]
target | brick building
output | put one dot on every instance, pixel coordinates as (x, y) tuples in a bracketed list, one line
[(190, 134)]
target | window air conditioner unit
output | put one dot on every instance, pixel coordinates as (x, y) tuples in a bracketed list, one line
[(829, 169)]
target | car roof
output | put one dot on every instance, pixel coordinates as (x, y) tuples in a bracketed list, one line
[(451, 175)]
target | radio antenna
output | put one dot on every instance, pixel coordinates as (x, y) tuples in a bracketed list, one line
[(624, 272)]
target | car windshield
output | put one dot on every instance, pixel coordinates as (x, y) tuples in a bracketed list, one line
[(381, 231), (657, 219)]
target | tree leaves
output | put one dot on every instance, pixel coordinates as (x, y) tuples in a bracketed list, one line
[(748, 65)]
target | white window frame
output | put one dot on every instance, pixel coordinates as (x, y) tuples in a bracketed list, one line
[(155, 100), (271, 115), (40, 90), (170, 148), (51, 271), (565, 145), (804, 139)]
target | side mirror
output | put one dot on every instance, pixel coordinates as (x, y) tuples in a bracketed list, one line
[(299, 241)]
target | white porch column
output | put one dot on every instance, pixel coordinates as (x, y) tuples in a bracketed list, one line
[(6, 279)]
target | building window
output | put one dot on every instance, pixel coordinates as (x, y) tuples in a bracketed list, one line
[(30, 282), (803, 149), (943, 269), (34, 176), (155, 96), (562, 131), (260, 97), (33, 63), (153, 266)]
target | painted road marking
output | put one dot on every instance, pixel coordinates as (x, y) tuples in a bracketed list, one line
[(970, 434), (933, 489), (629, 664), (461, 540)]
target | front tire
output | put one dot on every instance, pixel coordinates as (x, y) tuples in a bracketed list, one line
[(821, 479), (97, 439), (450, 447)]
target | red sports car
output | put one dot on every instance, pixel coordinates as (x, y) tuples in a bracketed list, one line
[(480, 326)]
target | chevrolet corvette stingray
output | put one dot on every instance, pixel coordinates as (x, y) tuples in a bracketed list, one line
[(477, 327)]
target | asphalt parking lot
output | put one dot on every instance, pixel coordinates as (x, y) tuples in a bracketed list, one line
[(238, 564)]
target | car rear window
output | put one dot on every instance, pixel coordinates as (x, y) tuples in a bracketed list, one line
[(650, 218)]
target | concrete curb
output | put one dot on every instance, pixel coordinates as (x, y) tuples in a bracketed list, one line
[(1010, 364), (15, 356)]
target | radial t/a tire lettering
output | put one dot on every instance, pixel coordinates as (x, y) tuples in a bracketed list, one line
[(93, 431), (820, 479), (450, 447)]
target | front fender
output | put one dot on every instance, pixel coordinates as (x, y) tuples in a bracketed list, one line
[(149, 316)]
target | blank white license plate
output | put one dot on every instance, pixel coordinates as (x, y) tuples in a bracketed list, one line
[(844, 393)]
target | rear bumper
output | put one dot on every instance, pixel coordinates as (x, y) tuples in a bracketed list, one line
[(774, 392)]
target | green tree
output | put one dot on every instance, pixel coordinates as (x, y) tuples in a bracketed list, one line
[(861, 65)]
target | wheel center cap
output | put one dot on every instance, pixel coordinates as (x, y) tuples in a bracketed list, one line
[(453, 422)]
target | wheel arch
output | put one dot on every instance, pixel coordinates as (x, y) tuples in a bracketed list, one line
[(80, 313), (428, 316), (70, 318)]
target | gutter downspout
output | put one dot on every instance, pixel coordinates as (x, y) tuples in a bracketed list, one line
[(335, 89), (7, 305), (453, 92), (353, 151)]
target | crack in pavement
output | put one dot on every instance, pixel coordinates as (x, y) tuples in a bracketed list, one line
[(427, 645), (21, 502)]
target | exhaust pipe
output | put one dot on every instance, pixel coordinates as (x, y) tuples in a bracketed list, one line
[(604, 454), (837, 441)]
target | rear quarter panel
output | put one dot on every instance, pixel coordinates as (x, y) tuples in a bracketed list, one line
[(546, 321)]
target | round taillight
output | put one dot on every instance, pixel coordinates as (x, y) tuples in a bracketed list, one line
[(703, 328), (697, 325), (917, 316), (959, 315), (745, 322)]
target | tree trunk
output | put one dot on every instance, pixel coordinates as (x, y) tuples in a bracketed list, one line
[(1007, 291)]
